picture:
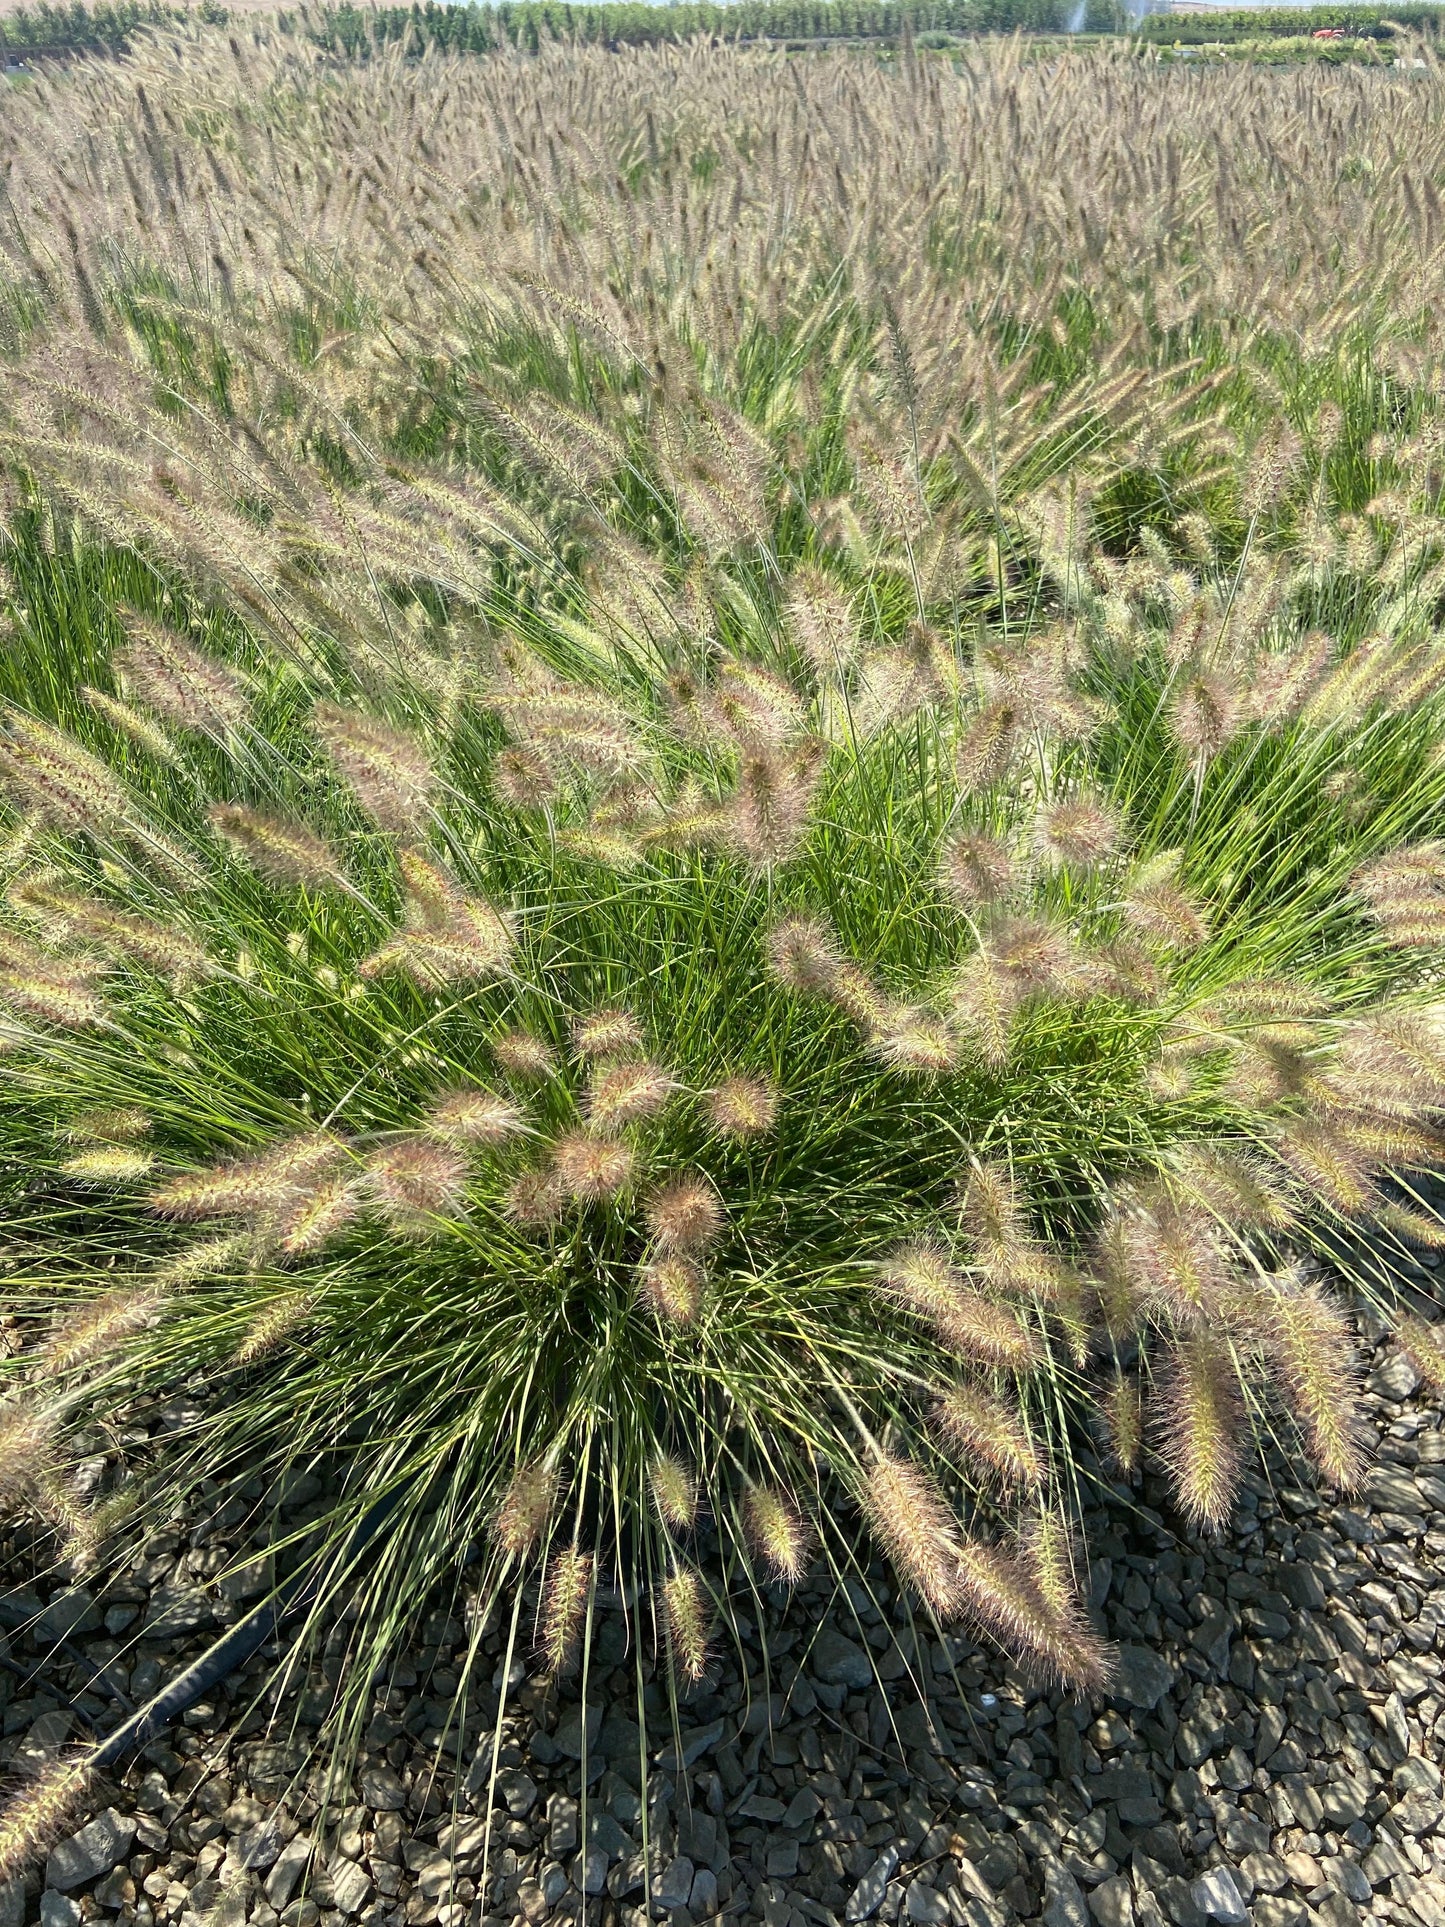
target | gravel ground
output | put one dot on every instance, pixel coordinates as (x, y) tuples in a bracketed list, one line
[(1271, 1751)]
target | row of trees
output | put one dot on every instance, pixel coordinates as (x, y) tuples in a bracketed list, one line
[(483, 29)]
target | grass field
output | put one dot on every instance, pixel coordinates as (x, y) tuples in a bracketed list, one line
[(722, 809)]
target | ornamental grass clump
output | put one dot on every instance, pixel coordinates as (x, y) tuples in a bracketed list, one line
[(671, 925)]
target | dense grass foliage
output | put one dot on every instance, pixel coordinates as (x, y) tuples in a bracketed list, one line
[(722, 809)]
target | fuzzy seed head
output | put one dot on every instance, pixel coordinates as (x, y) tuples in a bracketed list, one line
[(1423, 1343), (474, 1116), (625, 1093), (991, 1433), (1201, 1422), (803, 955), (591, 1168), (1156, 906), (1079, 833), (117, 1124), (417, 1181), (778, 1533), (535, 1199), (909, 1039), (921, 1277), (913, 1522), (98, 1328), (607, 1033), (520, 1054), (674, 1492), (686, 1214), (565, 1595), (1311, 1351), (526, 1508), (270, 1328), (685, 1617), (524, 780), (672, 1287), (285, 852), (743, 1107), (386, 770), (317, 1215), (1121, 1410), (109, 1164), (40, 1813), (27, 1435), (978, 869), (177, 681)]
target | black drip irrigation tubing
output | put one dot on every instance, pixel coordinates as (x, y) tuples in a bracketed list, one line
[(233, 1649)]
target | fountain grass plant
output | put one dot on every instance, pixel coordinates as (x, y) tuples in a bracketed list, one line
[(681, 892)]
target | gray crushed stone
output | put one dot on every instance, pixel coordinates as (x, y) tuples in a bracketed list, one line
[(1270, 1753)]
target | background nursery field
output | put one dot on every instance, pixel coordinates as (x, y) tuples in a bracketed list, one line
[(722, 861)]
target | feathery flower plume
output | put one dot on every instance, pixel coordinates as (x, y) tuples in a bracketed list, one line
[(591, 1168), (1311, 1351), (1415, 1227), (48, 772), (1206, 712), (114, 1124), (211, 1258), (177, 681), (686, 1214), (474, 1116), (387, 770), (819, 617), (523, 780), (986, 999), (1324, 1160), (685, 1617), (144, 731), (320, 1214), (991, 1432), (526, 1508), (803, 955), (26, 1438), (535, 1199), (40, 1813), (759, 710), (913, 1522), (743, 1107), (990, 1210), (1073, 1651), (52, 992), (1080, 831), (907, 1038), (273, 1325), (254, 1187), (921, 1277), (623, 1093), (520, 1054), (1424, 1345), (1235, 1187), (977, 869), (767, 813), (778, 1533), (109, 1164), (989, 746), (1201, 1423), (98, 1326), (416, 1181), (1121, 1410), (856, 994), (674, 1492), (1171, 1253), (1405, 893), (1157, 907), (68, 915), (564, 1608), (606, 1033), (671, 1286), (285, 852)]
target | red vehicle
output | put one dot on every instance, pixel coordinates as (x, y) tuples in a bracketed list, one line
[(1328, 33)]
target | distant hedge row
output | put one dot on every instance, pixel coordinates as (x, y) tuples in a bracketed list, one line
[(483, 29)]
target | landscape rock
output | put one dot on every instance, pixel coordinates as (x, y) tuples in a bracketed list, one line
[(91, 1852)]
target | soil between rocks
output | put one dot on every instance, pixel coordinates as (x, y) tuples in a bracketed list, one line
[(1270, 1751)]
